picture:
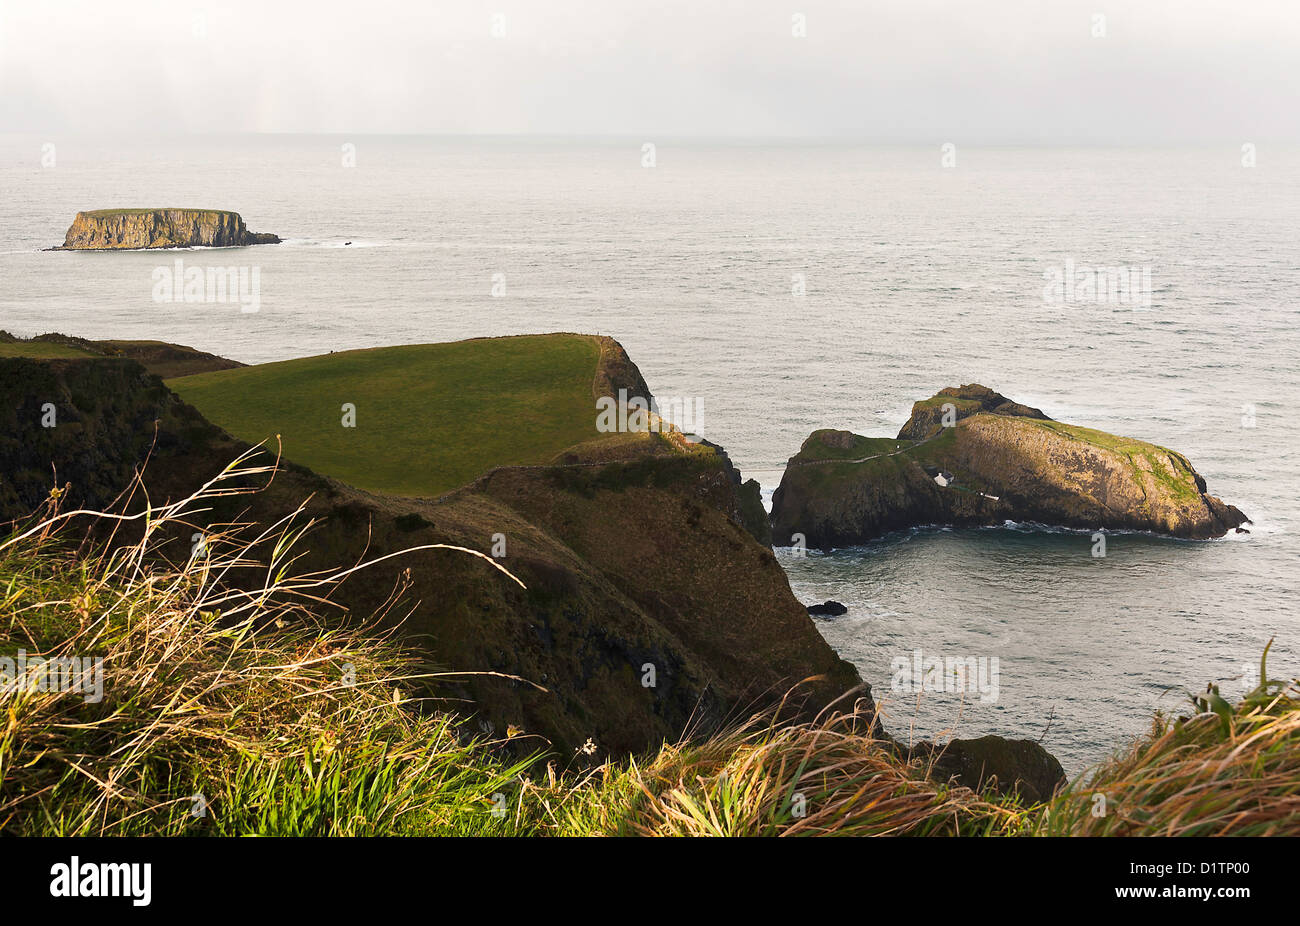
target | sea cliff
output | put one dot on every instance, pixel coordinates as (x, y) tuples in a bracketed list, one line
[(124, 229)]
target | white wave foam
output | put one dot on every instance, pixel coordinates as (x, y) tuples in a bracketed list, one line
[(333, 243)]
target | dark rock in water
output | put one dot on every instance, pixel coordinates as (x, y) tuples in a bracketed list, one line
[(1020, 766), (827, 609)]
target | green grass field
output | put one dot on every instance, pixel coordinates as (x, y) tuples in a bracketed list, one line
[(429, 417), (41, 350)]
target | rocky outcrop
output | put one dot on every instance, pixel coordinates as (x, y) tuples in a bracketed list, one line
[(120, 229), (1006, 766), (650, 609), (997, 461), (955, 403), (748, 510)]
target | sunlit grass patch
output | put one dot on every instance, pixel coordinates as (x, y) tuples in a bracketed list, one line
[(425, 418)]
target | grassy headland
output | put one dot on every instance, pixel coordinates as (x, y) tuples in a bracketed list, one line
[(158, 357), (41, 350), (429, 417)]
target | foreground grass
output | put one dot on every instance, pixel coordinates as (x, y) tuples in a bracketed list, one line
[(230, 712), (428, 417), (1224, 770)]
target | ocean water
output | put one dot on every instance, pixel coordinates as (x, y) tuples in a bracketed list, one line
[(914, 277)]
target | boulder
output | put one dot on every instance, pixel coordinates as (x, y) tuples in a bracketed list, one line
[(1007, 766)]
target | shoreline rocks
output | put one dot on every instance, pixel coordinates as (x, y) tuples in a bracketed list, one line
[(146, 229)]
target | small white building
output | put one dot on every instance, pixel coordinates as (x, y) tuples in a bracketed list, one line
[(944, 478)]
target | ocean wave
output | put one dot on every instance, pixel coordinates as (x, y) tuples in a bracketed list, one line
[(333, 243)]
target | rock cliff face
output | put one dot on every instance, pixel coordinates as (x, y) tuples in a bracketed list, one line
[(112, 229), (996, 461)]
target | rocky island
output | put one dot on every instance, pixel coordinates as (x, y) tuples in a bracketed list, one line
[(969, 456), (131, 229)]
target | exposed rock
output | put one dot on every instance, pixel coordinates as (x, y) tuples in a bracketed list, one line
[(927, 416), (749, 512), (837, 440), (1007, 766), (616, 371), (1010, 463), (827, 609), (112, 229)]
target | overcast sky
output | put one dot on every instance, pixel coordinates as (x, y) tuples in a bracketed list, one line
[(888, 70)]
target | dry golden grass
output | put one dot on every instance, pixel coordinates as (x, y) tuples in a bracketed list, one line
[(1222, 771), (249, 694)]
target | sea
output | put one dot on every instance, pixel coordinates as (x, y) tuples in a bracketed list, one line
[(788, 286)]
